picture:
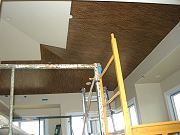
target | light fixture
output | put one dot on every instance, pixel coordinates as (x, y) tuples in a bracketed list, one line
[(44, 99), (88, 83)]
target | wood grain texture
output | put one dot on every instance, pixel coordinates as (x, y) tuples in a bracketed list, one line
[(139, 28)]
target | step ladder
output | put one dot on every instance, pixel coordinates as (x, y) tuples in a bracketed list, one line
[(94, 98)]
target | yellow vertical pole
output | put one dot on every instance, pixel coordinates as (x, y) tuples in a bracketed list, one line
[(121, 86)]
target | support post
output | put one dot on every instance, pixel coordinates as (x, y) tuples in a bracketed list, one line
[(11, 102), (83, 90), (70, 120), (121, 86), (39, 126), (101, 100)]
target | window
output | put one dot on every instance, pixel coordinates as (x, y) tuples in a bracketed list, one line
[(133, 115), (119, 120), (115, 122), (176, 105), (173, 103), (31, 127), (77, 125)]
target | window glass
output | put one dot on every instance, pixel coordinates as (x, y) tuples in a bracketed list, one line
[(119, 121), (110, 125), (133, 115), (32, 127), (77, 125), (176, 105), (16, 124)]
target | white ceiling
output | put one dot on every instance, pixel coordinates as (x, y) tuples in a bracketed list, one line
[(174, 2), (166, 67), (44, 21)]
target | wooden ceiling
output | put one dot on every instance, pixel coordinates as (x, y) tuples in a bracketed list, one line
[(138, 29)]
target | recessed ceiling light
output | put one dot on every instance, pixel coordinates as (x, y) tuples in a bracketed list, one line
[(88, 83)]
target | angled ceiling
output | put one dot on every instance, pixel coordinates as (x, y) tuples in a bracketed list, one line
[(45, 22), (162, 70), (138, 29)]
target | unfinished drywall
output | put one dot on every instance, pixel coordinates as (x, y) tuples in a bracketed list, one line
[(151, 103), (16, 45)]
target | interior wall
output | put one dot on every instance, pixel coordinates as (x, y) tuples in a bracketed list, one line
[(16, 45), (170, 82), (164, 48), (69, 103), (50, 124), (151, 103)]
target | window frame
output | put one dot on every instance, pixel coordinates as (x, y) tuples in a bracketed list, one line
[(169, 102)]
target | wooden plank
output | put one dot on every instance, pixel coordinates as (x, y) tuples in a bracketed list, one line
[(157, 128)]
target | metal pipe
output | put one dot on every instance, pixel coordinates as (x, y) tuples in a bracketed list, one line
[(71, 130), (47, 66), (83, 90), (11, 102), (39, 126), (42, 118)]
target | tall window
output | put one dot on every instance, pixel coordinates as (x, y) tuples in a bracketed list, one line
[(173, 102), (133, 115), (118, 118), (115, 121), (176, 104), (31, 127), (77, 125)]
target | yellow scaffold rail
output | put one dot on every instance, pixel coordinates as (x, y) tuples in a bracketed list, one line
[(121, 88)]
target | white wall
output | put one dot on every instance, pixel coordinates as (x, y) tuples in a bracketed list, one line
[(151, 103), (170, 82), (15, 45), (164, 48), (69, 103)]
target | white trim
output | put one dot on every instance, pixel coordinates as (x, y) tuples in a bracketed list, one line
[(169, 102)]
